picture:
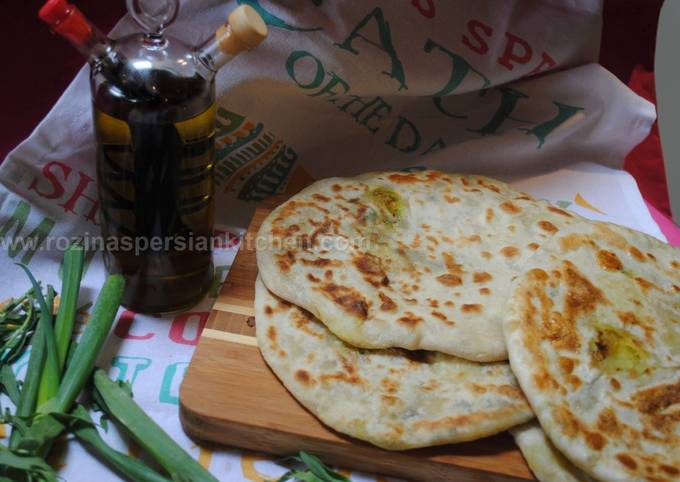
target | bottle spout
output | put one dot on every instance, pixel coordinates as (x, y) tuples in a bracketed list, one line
[(65, 19), (244, 30)]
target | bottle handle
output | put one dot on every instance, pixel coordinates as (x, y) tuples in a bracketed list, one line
[(153, 16)]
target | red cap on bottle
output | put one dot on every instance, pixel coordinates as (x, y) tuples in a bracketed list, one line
[(66, 20), (55, 11)]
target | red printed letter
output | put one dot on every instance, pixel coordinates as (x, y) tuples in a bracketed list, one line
[(179, 325), (69, 205), (428, 11), (122, 329), (522, 56), (475, 27), (57, 188), (547, 62)]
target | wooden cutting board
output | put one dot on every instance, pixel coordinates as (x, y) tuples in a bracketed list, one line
[(230, 396)]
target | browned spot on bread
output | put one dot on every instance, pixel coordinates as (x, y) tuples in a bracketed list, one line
[(442, 317), (651, 256), (433, 303), (369, 264), (559, 211), (451, 265), (481, 277), (510, 208), (547, 226), (510, 251), (321, 262), (328, 274), (485, 254), (389, 399), (595, 440), (477, 388), (465, 181), (449, 303), (389, 385), (616, 385), (475, 238), (285, 261), (610, 237), (451, 199), (581, 297), (567, 364), (268, 310), (471, 308), (409, 319), (474, 419), (271, 334), (321, 197), (675, 264), (348, 298), (644, 284), (656, 399), (574, 241), (336, 187), (484, 291), (544, 381), (608, 423), (449, 279), (488, 185), (669, 469), (430, 386), (637, 254), (489, 215), (407, 178), (627, 460), (609, 261), (571, 427), (387, 303), (537, 274), (313, 278), (303, 377), (433, 240)]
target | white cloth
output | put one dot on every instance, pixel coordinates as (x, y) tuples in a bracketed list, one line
[(507, 89)]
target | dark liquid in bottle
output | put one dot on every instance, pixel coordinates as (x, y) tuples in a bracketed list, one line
[(154, 168)]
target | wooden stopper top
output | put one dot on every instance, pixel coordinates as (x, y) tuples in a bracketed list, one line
[(244, 30)]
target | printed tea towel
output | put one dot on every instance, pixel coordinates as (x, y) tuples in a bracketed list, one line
[(498, 87)]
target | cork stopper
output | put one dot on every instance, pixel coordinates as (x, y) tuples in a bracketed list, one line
[(244, 30)]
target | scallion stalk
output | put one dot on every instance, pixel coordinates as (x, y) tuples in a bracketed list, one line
[(74, 259), (158, 444), (85, 355), (132, 469)]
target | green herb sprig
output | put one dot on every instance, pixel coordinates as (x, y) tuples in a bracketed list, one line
[(310, 469)]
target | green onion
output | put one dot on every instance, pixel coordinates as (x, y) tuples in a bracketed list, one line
[(51, 375), (50, 371), (29, 389), (127, 466), (74, 258), (122, 409), (85, 355), (315, 470), (34, 468)]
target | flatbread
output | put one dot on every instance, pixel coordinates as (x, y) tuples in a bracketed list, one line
[(391, 398), (593, 331), (413, 260), (544, 460)]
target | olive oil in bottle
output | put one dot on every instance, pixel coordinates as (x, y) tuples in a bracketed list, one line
[(154, 122)]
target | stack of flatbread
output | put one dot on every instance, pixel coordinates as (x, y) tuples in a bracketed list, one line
[(426, 308)]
